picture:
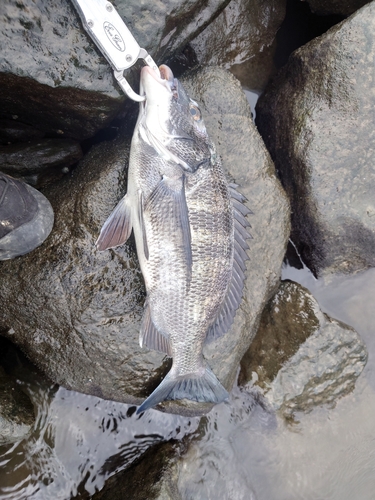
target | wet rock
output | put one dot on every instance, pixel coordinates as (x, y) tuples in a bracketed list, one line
[(16, 411), (242, 39), (300, 357), (76, 312), (287, 321), (341, 7), (52, 75), (83, 307), (12, 131), (36, 159), (318, 123), (152, 477)]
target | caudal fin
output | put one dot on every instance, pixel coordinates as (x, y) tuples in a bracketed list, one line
[(196, 387)]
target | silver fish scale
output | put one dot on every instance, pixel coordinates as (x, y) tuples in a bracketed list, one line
[(184, 307)]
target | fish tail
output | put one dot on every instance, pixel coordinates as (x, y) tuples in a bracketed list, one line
[(202, 387)]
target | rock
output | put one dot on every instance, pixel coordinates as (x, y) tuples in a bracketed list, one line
[(340, 7), (16, 411), (53, 76), (242, 39), (317, 121), (12, 131), (36, 159), (287, 321), (151, 477), (76, 312), (300, 357)]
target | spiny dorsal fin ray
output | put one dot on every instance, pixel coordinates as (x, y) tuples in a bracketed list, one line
[(142, 224), (117, 228), (233, 297)]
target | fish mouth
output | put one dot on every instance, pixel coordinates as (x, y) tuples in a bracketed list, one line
[(166, 79)]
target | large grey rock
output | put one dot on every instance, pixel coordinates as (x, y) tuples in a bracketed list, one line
[(52, 75), (39, 159), (300, 357), (12, 131), (318, 123), (242, 39), (76, 312), (340, 7), (288, 320), (153, 477)]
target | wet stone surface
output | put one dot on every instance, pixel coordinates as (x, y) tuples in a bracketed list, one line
[(317, 121), (301, 358), (287, 321), (342, 7), (16, 409), (49, 62), (37, 159), (157, 465), (242, 39), (12, 131)]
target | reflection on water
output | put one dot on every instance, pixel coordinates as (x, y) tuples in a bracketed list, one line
[(232, 454), (78, 442), (245, 452)]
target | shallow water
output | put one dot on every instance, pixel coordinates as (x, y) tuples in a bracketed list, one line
[(249, 452), (246, 452), (78, 442)]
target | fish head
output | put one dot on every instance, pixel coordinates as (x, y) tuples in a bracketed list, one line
[(171, 122)]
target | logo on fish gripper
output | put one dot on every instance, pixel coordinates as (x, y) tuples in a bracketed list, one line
[(114, 36)]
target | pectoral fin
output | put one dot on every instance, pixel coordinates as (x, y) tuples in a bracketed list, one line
[(117, 228)]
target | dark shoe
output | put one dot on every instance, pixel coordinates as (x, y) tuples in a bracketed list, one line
[(26, 217)]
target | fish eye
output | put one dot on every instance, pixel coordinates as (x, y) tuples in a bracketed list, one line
[(195, 112)]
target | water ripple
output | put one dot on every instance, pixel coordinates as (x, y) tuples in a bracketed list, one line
[(78, 442)]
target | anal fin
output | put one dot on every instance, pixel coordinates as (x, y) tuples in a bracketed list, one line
[(150, 336)]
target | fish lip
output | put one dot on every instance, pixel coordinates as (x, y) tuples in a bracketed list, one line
[(166, 73), (169, 83)]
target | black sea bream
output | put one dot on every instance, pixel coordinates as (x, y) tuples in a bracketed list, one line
[(190, 232)]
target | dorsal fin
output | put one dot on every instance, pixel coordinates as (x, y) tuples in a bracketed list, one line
[(233, 297)]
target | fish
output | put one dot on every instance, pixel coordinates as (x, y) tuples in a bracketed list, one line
[(191, 235)]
